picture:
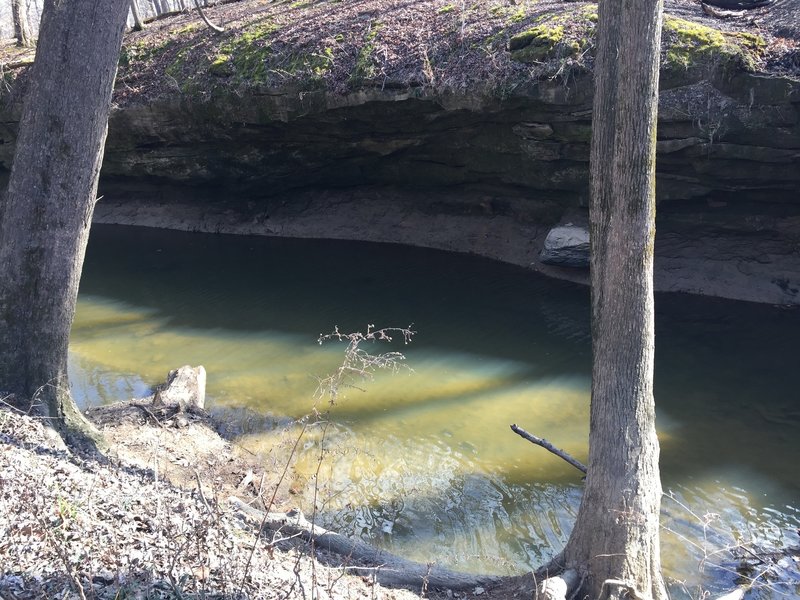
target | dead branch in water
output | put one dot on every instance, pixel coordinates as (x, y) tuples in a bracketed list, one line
[(548, 446)]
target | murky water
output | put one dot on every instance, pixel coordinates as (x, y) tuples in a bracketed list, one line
[(424, 462)]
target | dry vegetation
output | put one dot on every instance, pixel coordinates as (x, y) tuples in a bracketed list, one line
[(152, 523), (345, 45)]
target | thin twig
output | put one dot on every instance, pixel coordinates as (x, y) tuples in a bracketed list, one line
[(202, 495), (271, 502), (149, 414), (359, 364), (62, 554), (314, 501)]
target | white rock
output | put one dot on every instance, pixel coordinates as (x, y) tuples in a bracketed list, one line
[(566, 246)]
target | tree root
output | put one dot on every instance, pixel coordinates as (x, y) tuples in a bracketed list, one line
[(626, 590), (388, 568)]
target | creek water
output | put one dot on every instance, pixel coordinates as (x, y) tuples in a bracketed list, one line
[(423, 462)]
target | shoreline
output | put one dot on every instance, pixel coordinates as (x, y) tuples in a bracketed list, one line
[(162, 517), (730, 265)]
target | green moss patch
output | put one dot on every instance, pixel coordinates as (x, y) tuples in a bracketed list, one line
[(563, 36), (567, 36), (519, 15), (246, 54), (365, 65), (313, 66), (689, 45), (221, 65), (141, 52), (186, 29), (536, 44)]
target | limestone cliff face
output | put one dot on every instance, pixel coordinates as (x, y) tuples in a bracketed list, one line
[(735, 140), (470, 173)]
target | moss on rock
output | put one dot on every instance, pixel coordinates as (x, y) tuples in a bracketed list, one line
[(365, 66), (248, 53), (561, 36), (689, 45), (536, 44)]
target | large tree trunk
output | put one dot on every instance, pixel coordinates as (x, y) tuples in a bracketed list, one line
[(22, 29), (616, 535), (45, 215)]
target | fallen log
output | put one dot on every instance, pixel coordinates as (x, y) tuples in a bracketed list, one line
[(388, 569)]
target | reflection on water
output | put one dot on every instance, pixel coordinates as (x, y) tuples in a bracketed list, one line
[(425, 463)]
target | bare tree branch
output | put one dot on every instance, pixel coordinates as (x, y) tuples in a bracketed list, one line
[(548, 446), (203, 16)]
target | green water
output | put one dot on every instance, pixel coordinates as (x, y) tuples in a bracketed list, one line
[(424, 462)]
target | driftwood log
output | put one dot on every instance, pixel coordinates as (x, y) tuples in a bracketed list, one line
[(388, 569)]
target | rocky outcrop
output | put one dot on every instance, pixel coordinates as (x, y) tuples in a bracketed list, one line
[(728, 173), (470, 171), (733, 140)]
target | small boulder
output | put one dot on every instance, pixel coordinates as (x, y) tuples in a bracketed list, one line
[(185, 387), (566, 246)]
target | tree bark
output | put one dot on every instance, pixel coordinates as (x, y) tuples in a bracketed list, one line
[(616, 536), (46, 212), (22, 29)]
